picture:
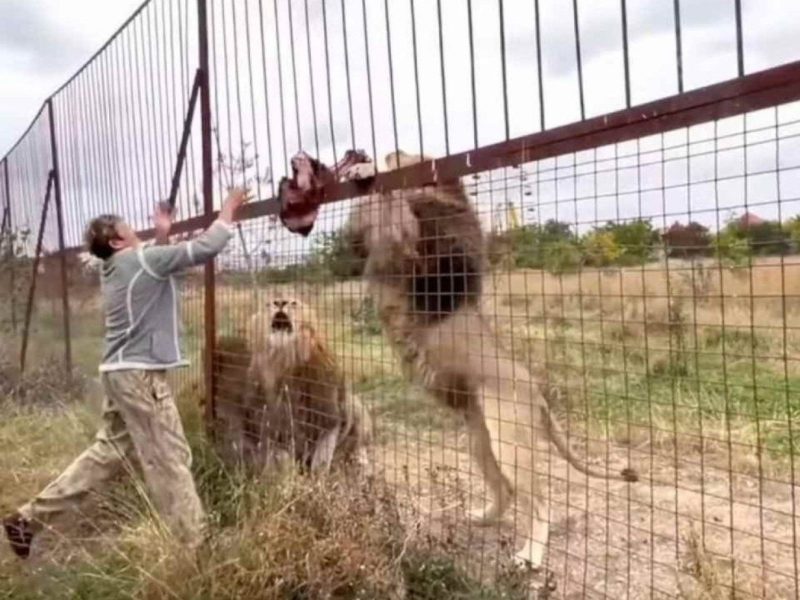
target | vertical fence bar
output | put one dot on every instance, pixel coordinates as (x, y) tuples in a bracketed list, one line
[(11, 254), (210, 316), (34, 275), (61, 246)]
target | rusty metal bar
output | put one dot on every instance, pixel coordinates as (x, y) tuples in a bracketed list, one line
[(34, 272), (210, 316), (767, 88), (187, 130), (9, 223), (61, 245)]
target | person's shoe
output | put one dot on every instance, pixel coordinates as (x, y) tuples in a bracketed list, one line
[(19, 532)]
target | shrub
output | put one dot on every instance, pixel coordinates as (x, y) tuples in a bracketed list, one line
[(600, 249), (551, 246), (334, 253), (739, 239), (731, 247), (636, 239), (792, 228)]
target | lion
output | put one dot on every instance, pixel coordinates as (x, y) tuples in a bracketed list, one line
[(425, 260), (300, 403)]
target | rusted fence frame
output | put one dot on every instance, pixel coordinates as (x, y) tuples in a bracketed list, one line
[(54, 174), (8, 225), (209, 291), (187, 130), (764, 89), (34, 275)]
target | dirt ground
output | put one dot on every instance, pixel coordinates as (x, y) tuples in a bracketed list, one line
[(682, 531)]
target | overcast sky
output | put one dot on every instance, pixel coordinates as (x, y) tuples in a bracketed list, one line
[(43, 42)]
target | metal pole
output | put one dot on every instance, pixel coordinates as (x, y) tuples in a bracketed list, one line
[(61, 245), (34, 274), (11, 255), (210, 318), (187, 129)]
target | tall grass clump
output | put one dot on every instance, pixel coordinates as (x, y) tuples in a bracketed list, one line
[(281, 535)]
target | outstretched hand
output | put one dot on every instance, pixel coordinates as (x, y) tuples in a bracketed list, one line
[(237, 196), (162, 222)]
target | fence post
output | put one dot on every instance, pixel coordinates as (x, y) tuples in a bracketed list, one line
[(11, 254), (210, 317), (26, 330), (61, 245)]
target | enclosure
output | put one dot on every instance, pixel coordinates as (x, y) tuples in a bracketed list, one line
[(636, 170)]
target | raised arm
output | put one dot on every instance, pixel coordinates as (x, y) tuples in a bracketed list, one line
[(163, 261)]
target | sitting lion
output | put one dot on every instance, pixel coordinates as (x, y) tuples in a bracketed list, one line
[(299, 402)]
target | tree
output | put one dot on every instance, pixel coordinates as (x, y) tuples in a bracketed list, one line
[(600, 249), (636, 240), (687, 241), (334, 252), (552, 246), (792, 228), (743, 237)]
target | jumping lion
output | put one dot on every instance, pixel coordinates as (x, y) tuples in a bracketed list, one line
[(425, 260)]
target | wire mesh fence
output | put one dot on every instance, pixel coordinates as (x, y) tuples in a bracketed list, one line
[(627, 240)]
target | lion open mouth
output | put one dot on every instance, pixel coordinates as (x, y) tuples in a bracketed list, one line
[(281, 322)]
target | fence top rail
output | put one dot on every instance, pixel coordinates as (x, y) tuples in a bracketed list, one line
[(80, 70), (736, 96), (27, 130)]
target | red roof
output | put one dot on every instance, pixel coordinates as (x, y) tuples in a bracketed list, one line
[(749, 219)]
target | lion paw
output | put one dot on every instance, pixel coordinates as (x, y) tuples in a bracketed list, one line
[(487, 515), (494, 510), (532, 554), (360, 171)]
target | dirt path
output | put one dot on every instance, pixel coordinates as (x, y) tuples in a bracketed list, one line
[(680, 532)]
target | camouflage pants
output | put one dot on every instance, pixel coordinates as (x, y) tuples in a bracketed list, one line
[(140, 420)]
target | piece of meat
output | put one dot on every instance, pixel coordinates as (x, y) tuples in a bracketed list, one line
[(301, 196)]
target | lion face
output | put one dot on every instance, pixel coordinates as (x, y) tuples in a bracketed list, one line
[(285, 326)]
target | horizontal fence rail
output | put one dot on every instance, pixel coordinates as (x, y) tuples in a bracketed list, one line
[(638, 208)]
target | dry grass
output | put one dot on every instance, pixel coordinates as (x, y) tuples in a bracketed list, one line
[(690, 368), (281, 536)]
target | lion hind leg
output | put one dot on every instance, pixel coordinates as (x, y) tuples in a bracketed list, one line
[(513, 418), (480, 444)]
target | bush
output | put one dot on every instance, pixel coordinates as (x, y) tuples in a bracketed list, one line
[(738, 241), (730, 247), (636, 240), (687, 241), (600, 249), (792, 229), (334, 253), (552, 247)]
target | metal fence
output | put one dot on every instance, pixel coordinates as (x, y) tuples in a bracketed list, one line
[(640, 208)]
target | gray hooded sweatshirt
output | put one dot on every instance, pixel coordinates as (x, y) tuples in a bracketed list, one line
[(141, 290)]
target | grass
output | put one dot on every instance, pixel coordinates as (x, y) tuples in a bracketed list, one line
[(645, 354), (691, 359), (281, 536)]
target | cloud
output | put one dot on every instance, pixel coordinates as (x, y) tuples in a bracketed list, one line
[(28, 30)]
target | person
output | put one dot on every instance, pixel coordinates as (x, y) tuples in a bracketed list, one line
[(140, 418)]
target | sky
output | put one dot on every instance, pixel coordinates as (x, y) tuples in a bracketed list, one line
[(42, 42), (268, 56)]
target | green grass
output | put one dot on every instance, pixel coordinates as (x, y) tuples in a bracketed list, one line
[(394, 401)]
